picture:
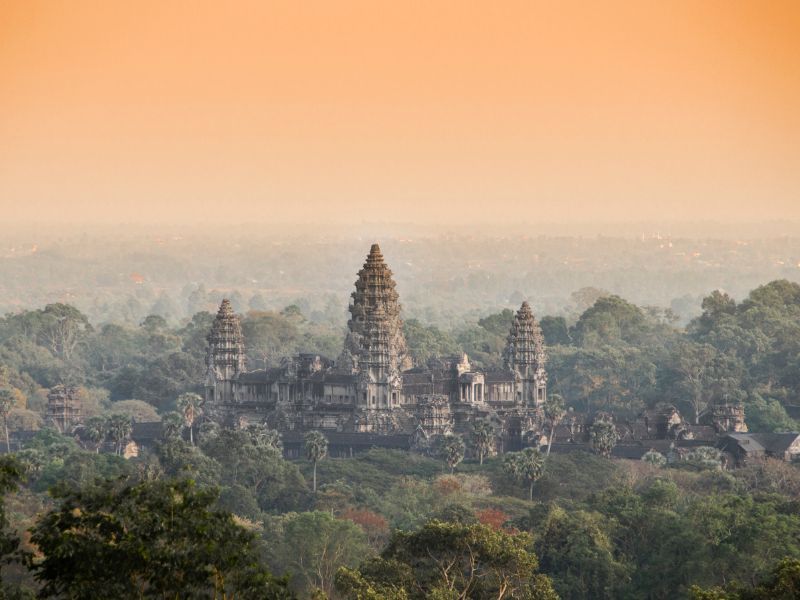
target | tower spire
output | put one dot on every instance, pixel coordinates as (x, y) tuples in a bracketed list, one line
[(225, 355), (525, 354), (375, 345)]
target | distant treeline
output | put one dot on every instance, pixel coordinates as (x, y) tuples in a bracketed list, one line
[(445, 280)]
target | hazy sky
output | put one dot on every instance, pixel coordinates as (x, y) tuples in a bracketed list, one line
[(399, 111)]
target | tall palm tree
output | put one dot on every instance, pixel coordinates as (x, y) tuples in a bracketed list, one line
[(603, 437), (7, 402), (96, 430), (172, 424), (33, 460), (316, 449), (526, 466), (483, 434), (119, 430), (554, 411), (191, 407)]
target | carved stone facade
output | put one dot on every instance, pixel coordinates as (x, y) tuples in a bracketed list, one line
[(375, 347), (524, 354), (63, 408), (224, 356), (728, 418), (373, 389)]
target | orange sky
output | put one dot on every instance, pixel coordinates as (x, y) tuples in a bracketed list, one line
[(399, 111)]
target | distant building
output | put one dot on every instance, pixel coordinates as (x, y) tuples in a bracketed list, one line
[(373, 388), (372, 395), (744, 447), (63, 408)]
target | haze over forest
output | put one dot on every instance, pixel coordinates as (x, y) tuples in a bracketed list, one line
[(382, 112), (446, 277), (372, 300)]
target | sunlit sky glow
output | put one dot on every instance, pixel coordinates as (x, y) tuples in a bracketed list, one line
[(427, 111)]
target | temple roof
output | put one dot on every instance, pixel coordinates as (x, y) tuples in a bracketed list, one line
[(772, 443), (262, 375), (375, 331), (226, 342), (499, 377), (525, 345)]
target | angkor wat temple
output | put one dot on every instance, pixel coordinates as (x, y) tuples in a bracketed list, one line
[(372, 394)]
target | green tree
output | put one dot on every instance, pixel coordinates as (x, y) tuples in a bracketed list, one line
[(450, 560), (270, 336), (427, 341), (95, 431), (782, 583), (139, 410), (691, 365), (608, 320), (603, 436), (33, 460), (451, 449), (7, 400), (154, 323), (526, 466), (316, 445), (191, 407), (554, 412), (576, 549), (555, 331), (498, 323), (120, 427), (483, 436), (314, 545), (706, 457), (172, 425), (655, 458), (61, 328), (11, 472), (262, 436), (767, 415), (157, 539), (180, 460), (276, 483)]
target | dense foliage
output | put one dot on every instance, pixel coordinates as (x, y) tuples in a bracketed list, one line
[(600, 528), (152, 540), (587, 525), (450, 560), (614, 357)]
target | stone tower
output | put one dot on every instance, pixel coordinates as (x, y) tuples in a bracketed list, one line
[(375, 347), (525, 355), (728, 418), (63, 407), (225, 355)]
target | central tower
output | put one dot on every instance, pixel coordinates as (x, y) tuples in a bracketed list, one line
[(375, 347), (225, 355), (525, 356)]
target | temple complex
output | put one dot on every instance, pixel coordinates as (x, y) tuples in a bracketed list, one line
[(372, 394), (373, 389)]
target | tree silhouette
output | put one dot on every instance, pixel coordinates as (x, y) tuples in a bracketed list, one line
[(190, 406), (526, 466), (119, 430), (95, 430), (452, 449), (483, 435), (6, 404), (554, 411), (603, 437), (316, 449)]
